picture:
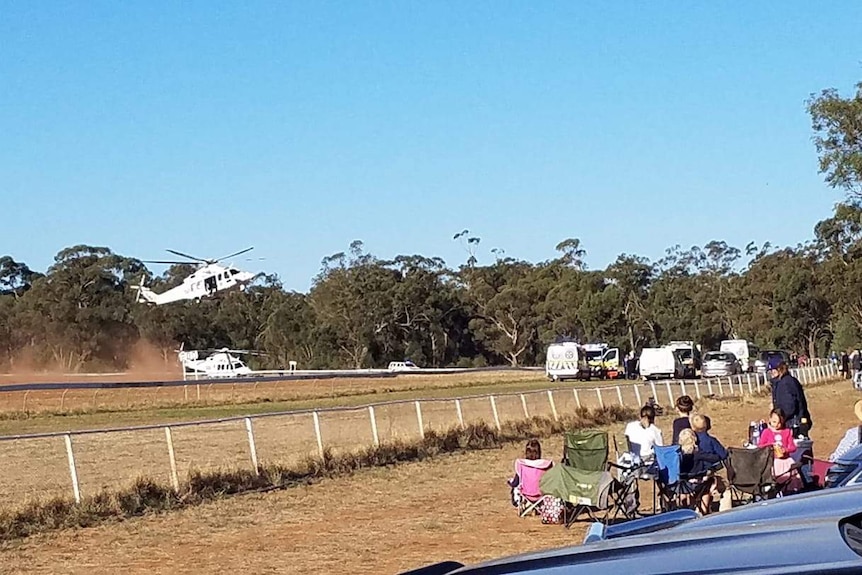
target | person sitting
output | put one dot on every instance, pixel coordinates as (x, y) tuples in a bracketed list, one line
[(777, 436), (852, 438), (528, 471), (698, 464), (684, 407), (706, 443), (644, 434)]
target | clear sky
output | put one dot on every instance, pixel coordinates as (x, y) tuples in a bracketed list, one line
[(209, 126)]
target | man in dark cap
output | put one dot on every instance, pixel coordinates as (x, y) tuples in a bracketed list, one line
[(788, 395)]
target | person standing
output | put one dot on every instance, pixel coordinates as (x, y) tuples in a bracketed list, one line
[(856, 363), (845, 365), (788, 396)]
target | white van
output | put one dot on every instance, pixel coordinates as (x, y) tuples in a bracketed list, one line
[(660, 363), (689, 354), (566, 360), (402, 366), (745, 351)]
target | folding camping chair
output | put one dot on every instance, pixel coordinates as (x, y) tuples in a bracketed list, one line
[(749, 472), (585, 483), (678, 490), (586, 450), (528, 493)]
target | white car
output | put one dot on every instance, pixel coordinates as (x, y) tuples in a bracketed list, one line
[(402, 366)]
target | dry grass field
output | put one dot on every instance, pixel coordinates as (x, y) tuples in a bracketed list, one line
[(377, 521), (275, 393)]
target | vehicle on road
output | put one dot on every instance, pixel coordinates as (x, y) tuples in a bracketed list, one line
[(720, 364), (566, 360), (745, 351), (406, 365), (689, 355), (763, 360), (660, 363), (818, 532)]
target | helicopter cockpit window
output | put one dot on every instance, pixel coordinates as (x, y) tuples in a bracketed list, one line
[(237, 365)]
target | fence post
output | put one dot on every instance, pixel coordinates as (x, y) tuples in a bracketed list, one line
[(577, 398), (26, 394), (748, 380), (620, 395), (739, 380), (553, 405), (175, 480), (682, 387), (63, 398), (373, 419), (494, 409), (458, 410), (652, 386), (198, 386), (95, 393), (601, 401), (638, 394), (251, 447), (524, 405), (720, 389), (696, 389), (185, 392), (419, 419), (73, 471), (316, 419), (669, 392)]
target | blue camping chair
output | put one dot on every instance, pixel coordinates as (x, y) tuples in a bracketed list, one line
[(678, 490)]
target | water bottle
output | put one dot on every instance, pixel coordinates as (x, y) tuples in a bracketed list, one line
[(778, 446), (751, 427), (755, 436)]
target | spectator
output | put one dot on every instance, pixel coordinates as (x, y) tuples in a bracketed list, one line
[(852, 438), (789, 397), (706, 443), (856, 361), (644, 434), (695, 462), (779, 437), (684, 407), (845, 365)]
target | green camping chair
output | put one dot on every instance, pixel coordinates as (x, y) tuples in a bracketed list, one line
[(586, 450)]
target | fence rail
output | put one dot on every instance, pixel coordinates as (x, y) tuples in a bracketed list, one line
[(86, 461)]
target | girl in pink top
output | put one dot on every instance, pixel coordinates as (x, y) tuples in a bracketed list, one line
[(776, 435), (781, 440)]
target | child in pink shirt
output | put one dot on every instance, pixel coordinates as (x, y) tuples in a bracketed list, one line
[(781, 440)]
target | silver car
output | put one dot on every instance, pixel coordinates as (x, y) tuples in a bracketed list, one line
[(720, 364)]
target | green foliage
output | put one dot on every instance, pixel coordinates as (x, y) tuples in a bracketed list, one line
[(837, 125)]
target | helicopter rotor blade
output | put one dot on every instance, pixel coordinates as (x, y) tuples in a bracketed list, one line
[(182, 255), (234, 255), (166, 262)]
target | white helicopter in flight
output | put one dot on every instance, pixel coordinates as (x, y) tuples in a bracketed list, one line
[(206, 281)]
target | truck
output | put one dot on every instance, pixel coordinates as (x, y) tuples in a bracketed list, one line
[(660, 363), (567, 360), (689, 355), (745, 351)]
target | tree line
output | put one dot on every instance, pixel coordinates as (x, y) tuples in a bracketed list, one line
[(364, 311)]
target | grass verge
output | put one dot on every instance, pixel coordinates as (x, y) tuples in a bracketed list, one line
[(147, 496)]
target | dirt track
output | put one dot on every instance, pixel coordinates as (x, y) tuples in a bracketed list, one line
[(378, 521)]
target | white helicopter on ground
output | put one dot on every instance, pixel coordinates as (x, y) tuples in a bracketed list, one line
[(206, 281), (215, 363)]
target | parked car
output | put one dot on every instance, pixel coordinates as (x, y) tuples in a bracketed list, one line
[(745, 351), (819, 532), (763, 360), (720, 364)]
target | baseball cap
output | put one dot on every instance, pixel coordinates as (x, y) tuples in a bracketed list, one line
[(774, 362)]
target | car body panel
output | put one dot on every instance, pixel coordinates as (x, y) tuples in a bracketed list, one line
[(756, 538)]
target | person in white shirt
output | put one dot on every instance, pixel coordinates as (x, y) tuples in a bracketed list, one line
[(852, 438), (644, 433)]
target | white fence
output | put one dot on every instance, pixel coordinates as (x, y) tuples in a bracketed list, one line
[(82, 463)]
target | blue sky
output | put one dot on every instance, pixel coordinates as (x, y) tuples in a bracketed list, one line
[(211, 126)]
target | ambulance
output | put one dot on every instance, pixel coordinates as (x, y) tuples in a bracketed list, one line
[(566, 360)]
